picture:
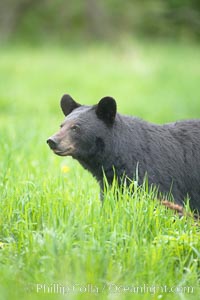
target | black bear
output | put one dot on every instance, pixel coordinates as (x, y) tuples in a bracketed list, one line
[(108, 143)]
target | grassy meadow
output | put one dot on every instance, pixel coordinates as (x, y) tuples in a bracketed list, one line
[(56, 239)]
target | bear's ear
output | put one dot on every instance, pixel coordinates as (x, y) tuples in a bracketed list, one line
[(68, 104), (106, 109)]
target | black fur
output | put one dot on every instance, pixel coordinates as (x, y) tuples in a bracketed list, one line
[(68, 104), (169, 154)]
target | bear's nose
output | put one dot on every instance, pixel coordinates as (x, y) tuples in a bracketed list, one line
[(52, 143)]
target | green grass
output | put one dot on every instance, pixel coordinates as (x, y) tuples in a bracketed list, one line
[(54, 231)]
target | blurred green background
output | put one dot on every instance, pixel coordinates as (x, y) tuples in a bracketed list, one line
[(144, 53), (40, 20)]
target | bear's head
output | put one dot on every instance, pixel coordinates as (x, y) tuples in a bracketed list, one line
[(86, 130)]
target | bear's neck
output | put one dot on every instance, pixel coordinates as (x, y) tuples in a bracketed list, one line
[(93, 166), (111, 167)]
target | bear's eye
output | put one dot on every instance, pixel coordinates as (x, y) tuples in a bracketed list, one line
[(74, 128)]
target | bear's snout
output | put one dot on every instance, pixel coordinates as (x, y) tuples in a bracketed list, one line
[(52, 143)]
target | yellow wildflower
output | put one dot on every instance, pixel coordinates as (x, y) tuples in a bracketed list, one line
[(65, 169)]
